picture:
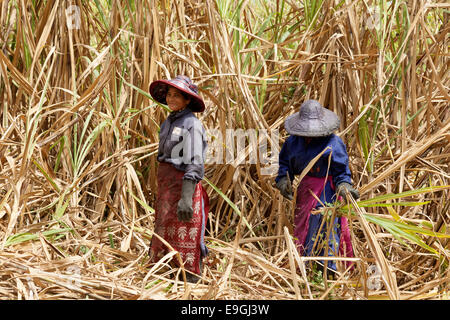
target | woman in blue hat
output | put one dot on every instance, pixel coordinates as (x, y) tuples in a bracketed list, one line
[(181, 209)]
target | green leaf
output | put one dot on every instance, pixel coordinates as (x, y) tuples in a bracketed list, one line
[(61, 207), (142, 203), (406, 231), (391, 204), (232, 205), (49, 179), (394, 214), (26, 236), (146, 94), (394, 196)]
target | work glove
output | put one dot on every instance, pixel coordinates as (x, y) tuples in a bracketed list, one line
[(343, 186), (285, 187), (184, 210)]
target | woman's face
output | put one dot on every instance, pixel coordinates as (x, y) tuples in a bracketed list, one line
[(175, 99)]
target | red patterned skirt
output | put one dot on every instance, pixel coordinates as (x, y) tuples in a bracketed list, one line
[(185, 237)]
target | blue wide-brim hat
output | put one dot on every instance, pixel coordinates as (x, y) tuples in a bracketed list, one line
[(312, 120), (158, 90)]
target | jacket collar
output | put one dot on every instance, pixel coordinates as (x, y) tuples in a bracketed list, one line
[(178, 114)]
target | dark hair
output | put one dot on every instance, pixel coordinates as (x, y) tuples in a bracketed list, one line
[(186, 95)]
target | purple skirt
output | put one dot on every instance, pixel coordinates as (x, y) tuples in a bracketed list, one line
[(306, 225)]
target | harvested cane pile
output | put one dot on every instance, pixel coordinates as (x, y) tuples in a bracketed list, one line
[(79, 134)]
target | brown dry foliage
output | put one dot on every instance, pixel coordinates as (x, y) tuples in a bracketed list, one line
[(53, 77)]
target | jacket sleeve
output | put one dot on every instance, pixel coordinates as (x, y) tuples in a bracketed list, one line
[(283, 162), (339, 167), (195, 148)]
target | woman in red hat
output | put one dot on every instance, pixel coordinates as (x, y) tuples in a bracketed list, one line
[(181, 209)]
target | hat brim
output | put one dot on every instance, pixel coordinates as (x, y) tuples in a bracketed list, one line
[(322, 127), (158, 90)]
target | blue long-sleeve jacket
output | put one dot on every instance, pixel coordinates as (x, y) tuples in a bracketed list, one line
[(296, 154)]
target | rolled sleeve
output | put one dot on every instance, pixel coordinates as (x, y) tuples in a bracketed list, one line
[(196, 145), (339, 166), (283, 161)]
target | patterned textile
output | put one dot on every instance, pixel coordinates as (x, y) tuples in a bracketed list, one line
[(185, 237)]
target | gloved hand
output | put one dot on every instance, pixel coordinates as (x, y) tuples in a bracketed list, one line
[(340, 190), (184, 210), (285, 187)]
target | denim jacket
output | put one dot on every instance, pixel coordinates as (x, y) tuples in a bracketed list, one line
[(296, 154)]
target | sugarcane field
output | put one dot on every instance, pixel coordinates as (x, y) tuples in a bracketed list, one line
[(224, 150)]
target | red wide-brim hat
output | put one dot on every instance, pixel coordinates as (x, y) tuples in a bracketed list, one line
[(158, 90)]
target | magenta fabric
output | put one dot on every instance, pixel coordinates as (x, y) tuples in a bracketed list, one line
[(345, 246), (305, 203)]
